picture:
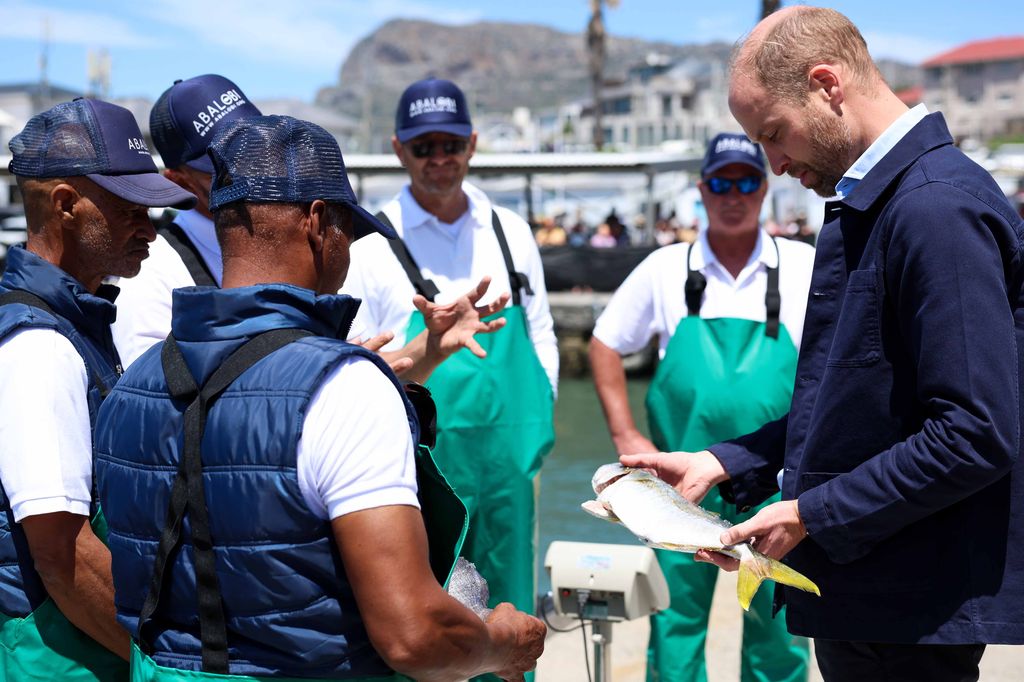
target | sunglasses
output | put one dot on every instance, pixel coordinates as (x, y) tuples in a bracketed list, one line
[(746, 185), (425, 148)]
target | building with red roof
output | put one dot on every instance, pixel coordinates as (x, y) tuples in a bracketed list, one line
[(979, 87)]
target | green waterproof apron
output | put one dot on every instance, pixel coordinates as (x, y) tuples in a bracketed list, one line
[(45, 646), (719, 379), (444, 517), (494, 426)]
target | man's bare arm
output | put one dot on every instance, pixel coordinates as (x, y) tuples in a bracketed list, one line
[(610, 382), (75, 568), (416, 627)]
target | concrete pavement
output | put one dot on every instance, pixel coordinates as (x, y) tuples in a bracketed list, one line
[(563, 654)]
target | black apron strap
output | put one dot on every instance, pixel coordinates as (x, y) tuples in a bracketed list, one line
[(516, 280), (187, 494), (26, 298), (30, 299), (188, 253), (694, 288), (772, 297), (424, 287)]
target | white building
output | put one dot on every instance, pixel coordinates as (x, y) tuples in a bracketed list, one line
[(659, 102)]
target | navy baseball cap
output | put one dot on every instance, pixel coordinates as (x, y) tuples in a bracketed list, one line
[(287, 160), (189, 113), (727, 148), (432, 106), (98, 140)]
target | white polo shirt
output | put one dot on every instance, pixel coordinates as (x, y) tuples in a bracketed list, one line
[(652, 299), (144, 304), (455, 257)]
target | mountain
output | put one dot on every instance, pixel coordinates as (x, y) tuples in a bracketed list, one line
[(499, 66)]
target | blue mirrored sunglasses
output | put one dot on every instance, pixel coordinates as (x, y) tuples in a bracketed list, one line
[(746, 185), (425, 148)]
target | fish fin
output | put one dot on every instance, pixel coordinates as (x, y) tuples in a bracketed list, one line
[(755, 570), (595, 508), (674, 547)]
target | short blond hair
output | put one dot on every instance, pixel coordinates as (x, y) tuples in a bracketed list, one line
[(781, 59)]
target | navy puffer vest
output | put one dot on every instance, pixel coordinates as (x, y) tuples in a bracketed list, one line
[(290, 610), (85, 320)]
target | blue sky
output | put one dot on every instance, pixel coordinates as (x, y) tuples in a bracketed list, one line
[(289, 49)]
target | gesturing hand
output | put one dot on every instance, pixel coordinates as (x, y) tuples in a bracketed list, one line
[(452, 326), (774, 531), (375, 343)]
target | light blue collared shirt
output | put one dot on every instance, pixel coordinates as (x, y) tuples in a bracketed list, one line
[(200, 230), (878, 149)]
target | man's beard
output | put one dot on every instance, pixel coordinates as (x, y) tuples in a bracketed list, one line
[(831, 146)]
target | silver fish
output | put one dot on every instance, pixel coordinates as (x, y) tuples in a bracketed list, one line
[(469, 588), (660, 517)]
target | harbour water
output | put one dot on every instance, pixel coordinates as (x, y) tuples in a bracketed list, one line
[(581, 445)]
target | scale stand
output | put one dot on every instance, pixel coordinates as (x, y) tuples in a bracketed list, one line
[(602, 638)]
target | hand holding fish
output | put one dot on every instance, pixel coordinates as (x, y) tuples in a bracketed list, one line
[(524, 635), (660, 517), (693, 474), (774, 531)]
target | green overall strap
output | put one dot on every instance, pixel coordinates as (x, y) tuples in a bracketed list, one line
[(516, 280), (772, 297), (188, 253), (187, 495), (424, 287), (696, 283)]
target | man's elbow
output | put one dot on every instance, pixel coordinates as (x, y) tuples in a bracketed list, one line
[(55, 564), (420, 650)]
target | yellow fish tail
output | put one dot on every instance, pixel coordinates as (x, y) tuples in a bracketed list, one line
[(755, 570)]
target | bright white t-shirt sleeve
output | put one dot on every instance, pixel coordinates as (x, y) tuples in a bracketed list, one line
[(144, 303), (628, 321), (45, 435), (356, 450)]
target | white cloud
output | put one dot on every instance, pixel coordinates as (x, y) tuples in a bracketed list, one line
[(70, 26), (906, 48), (305, 33)]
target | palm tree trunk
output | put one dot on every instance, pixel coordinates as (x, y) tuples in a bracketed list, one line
[(596, 54), (769, 6)]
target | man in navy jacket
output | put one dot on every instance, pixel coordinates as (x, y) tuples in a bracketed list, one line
[(903, 493)]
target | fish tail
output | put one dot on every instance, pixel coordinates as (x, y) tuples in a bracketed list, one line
[(756, 569)]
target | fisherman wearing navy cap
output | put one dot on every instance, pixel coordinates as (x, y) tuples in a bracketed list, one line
[(87, 181), (728, 312), (182, 123), (269, 518), (494, 413)]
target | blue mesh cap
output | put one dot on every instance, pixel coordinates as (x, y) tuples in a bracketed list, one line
[(729, 148), (100, 141), (283, 159), (432, 105), (189, 113)]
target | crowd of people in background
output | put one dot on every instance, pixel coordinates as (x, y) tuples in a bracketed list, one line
[(612, 232)]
